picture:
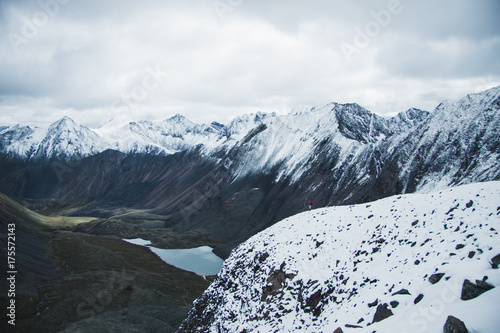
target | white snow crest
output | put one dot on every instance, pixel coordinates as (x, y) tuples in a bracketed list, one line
[(328, 268)]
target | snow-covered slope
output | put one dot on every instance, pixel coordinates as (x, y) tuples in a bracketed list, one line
[(167, 137), (290, 144), (345, 266), (67, 139), (20, 140), (457, 144)]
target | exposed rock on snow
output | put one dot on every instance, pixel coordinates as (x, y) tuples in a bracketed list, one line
[(454, 325), (495, 262), (435, 278), (281, 280), (471, 290)]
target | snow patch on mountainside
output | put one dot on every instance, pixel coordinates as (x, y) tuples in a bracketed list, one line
[(66, 138), (292, 142), (20, 140), (167, 137), (462, 136), (406, 257)]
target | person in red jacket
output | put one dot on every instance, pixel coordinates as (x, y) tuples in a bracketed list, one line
[(310, 203)]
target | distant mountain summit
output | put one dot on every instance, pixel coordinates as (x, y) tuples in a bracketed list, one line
[(65, 139)]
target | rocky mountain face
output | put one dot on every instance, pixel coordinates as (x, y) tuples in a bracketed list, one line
[(407, 263), (232, 181)]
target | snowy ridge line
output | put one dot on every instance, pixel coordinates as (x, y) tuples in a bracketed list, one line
[(342, 146), (403, 260), (69, 139)]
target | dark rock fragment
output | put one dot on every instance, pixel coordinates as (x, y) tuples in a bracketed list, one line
[(382, 313), (435, 278), (495, 262), (471, 290), (394, 304), (418, 299), (454, 325), (352, 326), (484, 285), (402, 292)]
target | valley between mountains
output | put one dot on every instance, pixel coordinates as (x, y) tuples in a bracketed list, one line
[(396, 202)]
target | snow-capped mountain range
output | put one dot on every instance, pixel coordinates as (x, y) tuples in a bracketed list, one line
[(292, 145), (66, 139), (400, 264), (234, 180)]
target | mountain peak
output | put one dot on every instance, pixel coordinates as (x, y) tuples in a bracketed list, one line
[(301, 109), (178, 118), (407, 119), (64, 121)]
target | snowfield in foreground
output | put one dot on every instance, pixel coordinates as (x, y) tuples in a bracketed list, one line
[(406, 258)]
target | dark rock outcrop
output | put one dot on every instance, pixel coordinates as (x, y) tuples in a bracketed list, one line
[(394, 304), (435, 278), (418, 299), (495, 262), (276, 281), (402, 292), (471, 290), (382, 313), (454, 325)]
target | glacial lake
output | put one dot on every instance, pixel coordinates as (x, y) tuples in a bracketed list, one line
[(200, 260)]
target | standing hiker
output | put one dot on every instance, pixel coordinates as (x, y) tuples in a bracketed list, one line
[(310, 204)]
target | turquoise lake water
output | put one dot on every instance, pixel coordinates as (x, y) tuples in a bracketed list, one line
[(200, 260)]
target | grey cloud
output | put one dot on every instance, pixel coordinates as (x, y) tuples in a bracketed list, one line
[(258, 56)]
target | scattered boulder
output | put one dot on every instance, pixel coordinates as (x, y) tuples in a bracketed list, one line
[(338, 330), (275, 283), (375, 303), (418, 299), (471, 290), (382, 313), (495, 262), (484, 285), (312, 303), (435, 278), (454, 325), (352, 326), (402, 292), (394, 304)]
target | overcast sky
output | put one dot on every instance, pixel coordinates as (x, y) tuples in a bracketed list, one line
[(212, 60)]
